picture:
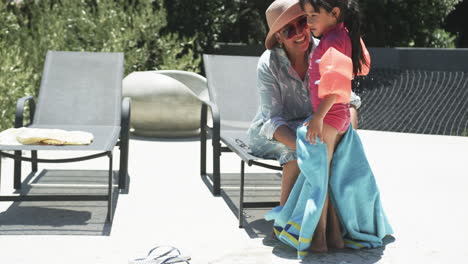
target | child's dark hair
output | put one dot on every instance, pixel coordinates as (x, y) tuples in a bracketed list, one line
[(350, 15)]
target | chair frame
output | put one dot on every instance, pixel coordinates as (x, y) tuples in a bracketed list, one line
[(122, 143), (246, 158)]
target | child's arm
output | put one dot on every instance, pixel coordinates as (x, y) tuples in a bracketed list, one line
[(315, 125)]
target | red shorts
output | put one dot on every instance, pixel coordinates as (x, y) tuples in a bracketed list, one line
[(338, 117)]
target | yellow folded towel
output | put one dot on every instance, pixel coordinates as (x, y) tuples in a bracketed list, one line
[(43, 136)]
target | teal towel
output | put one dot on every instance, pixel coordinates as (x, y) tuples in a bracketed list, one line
[(352, 190)]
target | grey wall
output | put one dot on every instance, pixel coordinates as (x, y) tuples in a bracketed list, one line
[(397, 58)]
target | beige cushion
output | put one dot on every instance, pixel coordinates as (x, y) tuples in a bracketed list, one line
[(41, 136)]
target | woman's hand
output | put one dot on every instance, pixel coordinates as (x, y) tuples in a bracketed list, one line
[(314, 129)]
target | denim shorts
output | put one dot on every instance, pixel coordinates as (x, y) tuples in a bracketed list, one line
[(261, 146)]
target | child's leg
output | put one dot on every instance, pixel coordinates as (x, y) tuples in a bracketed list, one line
[(331, 137), (334, 235), (290, 173)]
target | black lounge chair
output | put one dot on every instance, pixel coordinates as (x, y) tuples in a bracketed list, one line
[(233, 105), (79, 91)]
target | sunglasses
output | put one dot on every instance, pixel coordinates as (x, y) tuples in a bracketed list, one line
[(293, 29)]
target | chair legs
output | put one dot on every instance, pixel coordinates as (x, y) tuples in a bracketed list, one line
[(216, 151), (109, 200), (123, 169), (124, 142), (17, 167), (242, 204), (17, 171), (34, 160), (203, 137), (216, 168), (241, 197), (216, 163)]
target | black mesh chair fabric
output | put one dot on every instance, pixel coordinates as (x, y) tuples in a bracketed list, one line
[(84, 85), (232, 86), (80, 91)]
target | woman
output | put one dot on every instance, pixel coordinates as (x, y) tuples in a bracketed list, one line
[(285, 101)]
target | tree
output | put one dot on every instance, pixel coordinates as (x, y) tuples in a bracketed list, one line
[(213, 21), (457, 23), (402, 23)]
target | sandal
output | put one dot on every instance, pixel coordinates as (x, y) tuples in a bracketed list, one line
[(178, 259), (161, 255)]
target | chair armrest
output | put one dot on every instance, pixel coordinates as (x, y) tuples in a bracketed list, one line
[(125, 115), (215, 116), (19, 114)]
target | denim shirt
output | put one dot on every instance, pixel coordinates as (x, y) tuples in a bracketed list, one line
[(284, 96)]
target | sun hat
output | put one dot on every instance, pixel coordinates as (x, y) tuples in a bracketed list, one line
[(279, 14)]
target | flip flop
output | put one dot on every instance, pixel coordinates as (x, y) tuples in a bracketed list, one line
[(163, 251), (160, 255), (178, 259)]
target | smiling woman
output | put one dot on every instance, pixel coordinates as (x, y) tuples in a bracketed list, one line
[(282, 85), (281, 129)]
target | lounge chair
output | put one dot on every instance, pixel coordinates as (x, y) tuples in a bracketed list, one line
[(80, 91), (233, 105)]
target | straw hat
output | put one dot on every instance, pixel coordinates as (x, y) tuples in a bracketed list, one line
[(279, 14)]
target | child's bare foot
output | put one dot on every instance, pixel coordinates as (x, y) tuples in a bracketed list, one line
[(319, 244), (335, 242)]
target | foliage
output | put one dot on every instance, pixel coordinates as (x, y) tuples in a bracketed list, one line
[(178, 54), (172, 34), (457, 23), (440, 38), (131, 27), (213, 21), (402, 23), (29, 29), (386, 23), (17, 78), (464, 133)]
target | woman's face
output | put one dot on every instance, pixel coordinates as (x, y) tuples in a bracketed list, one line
[(295, 36), (320, 20)]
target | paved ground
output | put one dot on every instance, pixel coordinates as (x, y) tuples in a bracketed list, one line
[(423, 182)]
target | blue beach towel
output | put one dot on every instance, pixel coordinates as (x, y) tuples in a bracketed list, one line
[(352, 190)]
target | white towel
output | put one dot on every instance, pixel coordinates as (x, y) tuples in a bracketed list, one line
[(43, 136)]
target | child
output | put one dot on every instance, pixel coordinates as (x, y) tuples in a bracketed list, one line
[(337, 23)]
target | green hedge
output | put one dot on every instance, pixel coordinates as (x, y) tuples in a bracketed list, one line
[(151, 39), (403, 23), (30, 29)]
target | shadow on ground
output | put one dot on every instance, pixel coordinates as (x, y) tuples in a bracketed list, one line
[(262, 189), (259, 187), (333, 256), (60, 217)]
